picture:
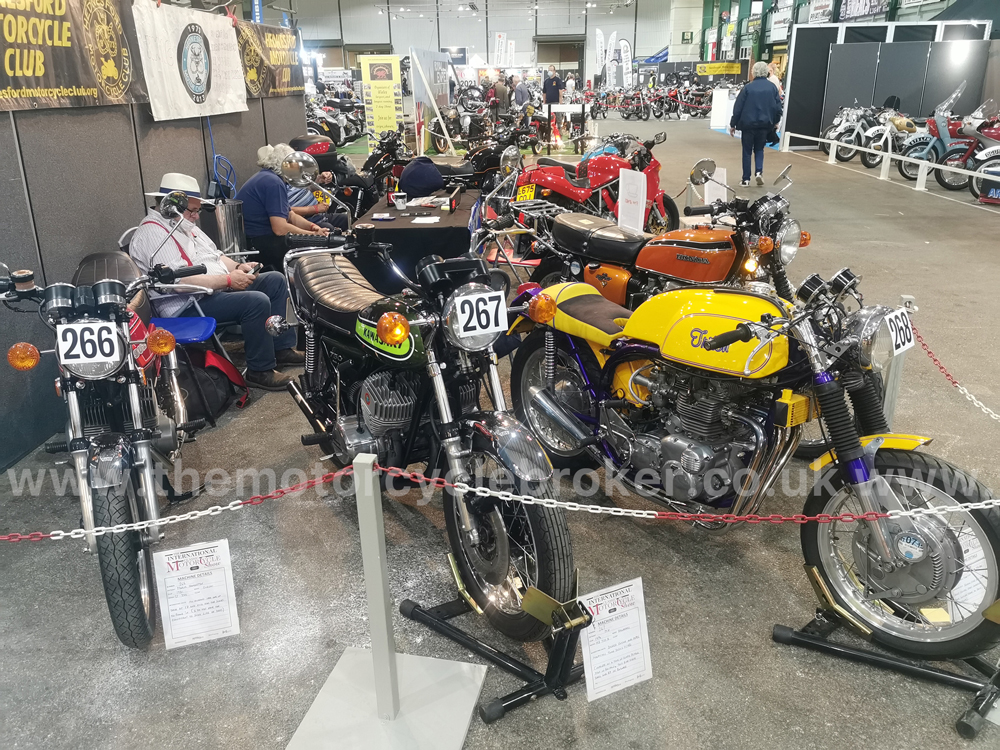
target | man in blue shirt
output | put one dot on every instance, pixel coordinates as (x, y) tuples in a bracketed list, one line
[(552, 89), (267, 216), (756, 113)]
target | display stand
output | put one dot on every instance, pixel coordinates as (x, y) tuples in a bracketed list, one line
[(567, 620), (377, 699), (815, 635)]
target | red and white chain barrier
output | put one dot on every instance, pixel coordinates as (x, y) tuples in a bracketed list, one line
[(951, 378)]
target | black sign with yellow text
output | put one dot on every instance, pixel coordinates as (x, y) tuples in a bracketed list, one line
[(68, 53), (270, 56)]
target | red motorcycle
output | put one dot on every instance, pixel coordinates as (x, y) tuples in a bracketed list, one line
[(591, 186)]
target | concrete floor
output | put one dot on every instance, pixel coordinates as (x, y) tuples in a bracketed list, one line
[(718, 679)]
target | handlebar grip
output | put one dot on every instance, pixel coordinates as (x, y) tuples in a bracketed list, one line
[(742, 333), (497, 225), (181, 273), (698, 210)]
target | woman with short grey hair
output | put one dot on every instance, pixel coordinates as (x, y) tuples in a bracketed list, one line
[(756, 113)]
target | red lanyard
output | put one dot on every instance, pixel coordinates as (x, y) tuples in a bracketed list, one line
[(179, 248)]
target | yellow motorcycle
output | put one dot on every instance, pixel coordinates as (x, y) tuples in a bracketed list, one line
[(696, 399)]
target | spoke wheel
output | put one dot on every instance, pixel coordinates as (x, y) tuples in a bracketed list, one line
[(951, 180), (931, 607), (976, 183)]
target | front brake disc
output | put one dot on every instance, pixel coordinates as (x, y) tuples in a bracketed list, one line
[(490, 558)]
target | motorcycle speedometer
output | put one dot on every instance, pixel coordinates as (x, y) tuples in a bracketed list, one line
[(787, 240)]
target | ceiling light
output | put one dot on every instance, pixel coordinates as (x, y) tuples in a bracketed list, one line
[(421, 15), (380, 11), (459, 8), (402, 9)]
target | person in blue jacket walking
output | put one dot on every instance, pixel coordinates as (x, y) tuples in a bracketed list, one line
[(756, 113)]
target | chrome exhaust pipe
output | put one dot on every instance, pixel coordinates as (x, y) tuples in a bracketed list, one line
[(559, 414), (300, 401)]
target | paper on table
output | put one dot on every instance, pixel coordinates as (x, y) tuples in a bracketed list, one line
[(426, 220), (616, 643), (196, 593)]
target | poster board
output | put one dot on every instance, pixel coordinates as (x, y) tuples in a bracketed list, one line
[(191, 61), (270, 58), (69, 53), (435, 67), (381, 92)]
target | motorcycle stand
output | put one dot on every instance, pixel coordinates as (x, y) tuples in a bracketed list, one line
[(814, 636), (568, 621)]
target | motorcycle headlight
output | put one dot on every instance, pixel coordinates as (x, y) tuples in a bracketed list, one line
[(870, 326), (509, 160), (453, 320), (787, 240)]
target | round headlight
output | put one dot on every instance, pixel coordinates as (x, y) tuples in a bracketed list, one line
[(509, 160), (98, 370), (453, 318), (870, 326), (788, 238)]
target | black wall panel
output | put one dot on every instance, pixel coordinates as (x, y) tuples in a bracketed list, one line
[(901, 70), (170, 146), (30, 411), (807, 81), (851, 76), (284, 118), (237, 137), (82, 171), (951, 63)]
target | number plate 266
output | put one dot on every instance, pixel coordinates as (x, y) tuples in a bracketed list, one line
[(87, 343)]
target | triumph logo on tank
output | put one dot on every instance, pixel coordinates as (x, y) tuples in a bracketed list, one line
[(194, 60), (107, 47)]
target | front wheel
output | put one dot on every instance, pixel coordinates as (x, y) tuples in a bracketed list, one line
[(828, 134), (872, 161), (657, 224), (845, 153), (646, 112), (951, 180), (126, 567), (909, 170), (932, 607), (518, 546)]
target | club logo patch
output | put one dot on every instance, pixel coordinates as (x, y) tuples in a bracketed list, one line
[(107, 47), (255, 70), (194, 62)]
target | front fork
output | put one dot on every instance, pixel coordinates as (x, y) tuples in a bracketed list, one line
[(872, 491)]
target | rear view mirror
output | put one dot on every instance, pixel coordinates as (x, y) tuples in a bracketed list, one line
[(660, 137), (702, 171), (784, 174)]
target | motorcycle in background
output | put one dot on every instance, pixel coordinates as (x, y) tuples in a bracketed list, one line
[(126, 413), (889, 136), (942, 136)]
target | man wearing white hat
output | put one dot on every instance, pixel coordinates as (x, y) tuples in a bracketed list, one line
[(239, 295)]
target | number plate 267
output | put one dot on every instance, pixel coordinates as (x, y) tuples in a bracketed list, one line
[(481, 313), (87, 343)]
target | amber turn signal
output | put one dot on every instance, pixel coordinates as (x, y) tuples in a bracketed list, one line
[(160, 342), (546, 193), (542, 308), (348, 192), (751, 265), (393, 328), (765, 245), (805, 240), (23, 356)]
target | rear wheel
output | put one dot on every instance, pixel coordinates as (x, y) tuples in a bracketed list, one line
[(976, 183), (518, 546), (548, 272), (126, 564), (953, 157), (930, 606), (828, 133)]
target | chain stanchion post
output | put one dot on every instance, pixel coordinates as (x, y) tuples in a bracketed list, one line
[(886, 160), (922, 177), (832, 158), (372, 528)]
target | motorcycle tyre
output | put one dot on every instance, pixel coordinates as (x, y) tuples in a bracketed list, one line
[(976, 183), (871, 161), (941, 475), (939, 175), (843, 154), (903, 166)]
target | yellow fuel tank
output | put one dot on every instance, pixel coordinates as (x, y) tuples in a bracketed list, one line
[(680, 322)]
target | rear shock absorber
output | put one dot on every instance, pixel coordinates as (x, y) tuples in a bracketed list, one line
[(550, 359), (311, 353)]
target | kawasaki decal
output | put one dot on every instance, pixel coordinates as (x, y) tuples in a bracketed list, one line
[(369, 335)]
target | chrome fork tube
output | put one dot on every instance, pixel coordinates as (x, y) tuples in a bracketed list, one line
[(499, 401), (144, 459), (80, 464), (169, 364), (452, 444)]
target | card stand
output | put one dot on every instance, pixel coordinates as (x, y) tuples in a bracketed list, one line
[(568, 621), (815, 635)]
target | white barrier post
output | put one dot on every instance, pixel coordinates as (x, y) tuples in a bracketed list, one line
[(832, 158), (886, 159), (785, 138), (922, 177)]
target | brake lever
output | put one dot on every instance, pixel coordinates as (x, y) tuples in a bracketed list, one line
[(184, 288)]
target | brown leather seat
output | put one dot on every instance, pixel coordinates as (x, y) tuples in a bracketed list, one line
[(113, 264), (598, 239), (331, 289)]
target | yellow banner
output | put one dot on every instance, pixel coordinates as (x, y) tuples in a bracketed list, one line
[(717, 68), (382, 92)]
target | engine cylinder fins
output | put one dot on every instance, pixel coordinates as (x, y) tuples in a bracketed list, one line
[(388, 400), (701, 415)]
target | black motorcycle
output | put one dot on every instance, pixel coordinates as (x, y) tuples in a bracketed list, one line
[(463, 128), (126, 413), (401, 377)]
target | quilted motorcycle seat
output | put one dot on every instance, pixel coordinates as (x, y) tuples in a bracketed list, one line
[(455, 170), (332, 290), (582, 311), (598, 239), (569, 167), (113, 264)]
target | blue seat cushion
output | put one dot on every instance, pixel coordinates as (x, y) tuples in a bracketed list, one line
[(187, 330)]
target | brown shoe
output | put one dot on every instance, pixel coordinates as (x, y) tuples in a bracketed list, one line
[(268, 380), (290, 358)]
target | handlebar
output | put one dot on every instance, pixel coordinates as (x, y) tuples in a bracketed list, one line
[(163, 275), (498, 225), (699, 210), (300, 241), (742, 333)]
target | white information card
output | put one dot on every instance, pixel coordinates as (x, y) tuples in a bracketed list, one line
[(631, 200), (196, 593), (616, 643)]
